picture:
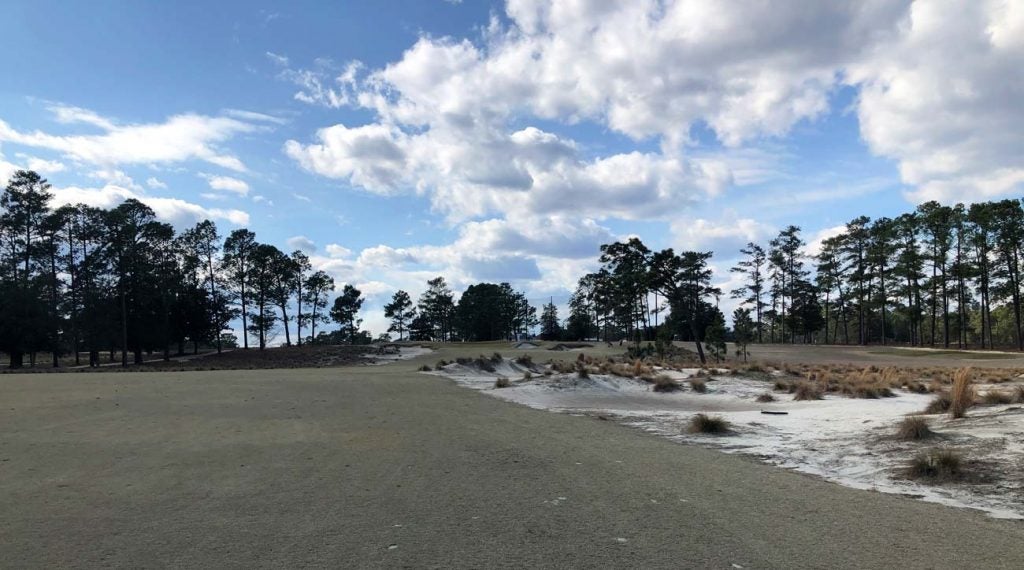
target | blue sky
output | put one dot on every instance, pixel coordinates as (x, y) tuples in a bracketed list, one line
[(395, 141)]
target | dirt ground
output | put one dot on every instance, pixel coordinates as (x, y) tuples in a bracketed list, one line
[(379, 466)]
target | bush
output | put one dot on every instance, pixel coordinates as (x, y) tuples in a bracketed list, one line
[(962, 395), (440, 364), (698, 385), (527, 376), (782, 386), (806, 391), (496, 357), (665, 383), (703, 423), (425, 368), (914, 428), (936, 465), (502, 382), (765, 398)]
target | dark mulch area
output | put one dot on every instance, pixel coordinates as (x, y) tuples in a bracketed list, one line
[(307, 356)]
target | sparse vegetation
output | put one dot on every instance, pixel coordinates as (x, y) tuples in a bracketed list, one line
[(940, 404), (502, 382), (665, 383), (703, 423), (914, 428), (996, 397), (936, 465), (765, 398), (807, 391), (698, 385), (425, 368)]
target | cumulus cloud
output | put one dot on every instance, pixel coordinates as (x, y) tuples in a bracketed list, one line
[(179, 138), (724, 236), (155, 183), (173, 210), (227, 184), (301, 243), (943, 99)]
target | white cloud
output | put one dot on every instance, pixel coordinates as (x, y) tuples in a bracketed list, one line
[(335, 250), (155, 183), (943, 98), (724, 236), (179, 138), (173, 210), (226, 183), (42, 165), (301, 243)]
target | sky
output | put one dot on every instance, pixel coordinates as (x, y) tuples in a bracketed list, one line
[(395, 141)]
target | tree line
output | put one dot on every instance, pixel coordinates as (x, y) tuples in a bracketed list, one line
[(80, 279), (938, 276)]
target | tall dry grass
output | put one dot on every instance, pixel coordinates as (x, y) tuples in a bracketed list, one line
[(962, 394)]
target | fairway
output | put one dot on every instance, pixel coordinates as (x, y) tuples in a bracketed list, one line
[(383, 467)]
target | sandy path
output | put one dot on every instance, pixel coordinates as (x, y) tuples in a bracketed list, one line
[(383, 467)]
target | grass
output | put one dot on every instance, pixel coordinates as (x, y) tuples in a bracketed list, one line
[(765, 398), (581, 370), (807, 391), (698, 385), (949, 353), (997, 397), (665, 383), (525, 360), (703, 423), (962, 394), (502, 382), (425, 368), (940, 404), (936, 465), (527, 376), (914, 428), (484, 364)]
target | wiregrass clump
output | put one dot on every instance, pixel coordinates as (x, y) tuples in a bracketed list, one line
[(940, 404), (914, 428), (502, 382), (698, 385), (807, 391), (962, 394), (425, 368), (703, 423), (936, 466), (765, 398), (665, 383), (996, 398)]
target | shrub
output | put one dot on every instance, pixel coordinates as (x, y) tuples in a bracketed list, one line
[(698, 385), (996, 397), (914, 428), (916, 387), (936, 465), (754, 367), (524, 360), (502, 382), (962, 395), (496, 357), (782, 386), (665, 383), (527, 376), (940, 404), (703, 423), (425, 368), (764, 398), (440, 364), (807, 391), (463, 360)]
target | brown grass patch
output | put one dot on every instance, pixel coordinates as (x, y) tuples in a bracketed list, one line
[(914, 428), (936, 465), (698, 385), (807, 391), (765, 398), (962, 394), (703, 423), (665, 383), (502, 382), (996, 398)]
